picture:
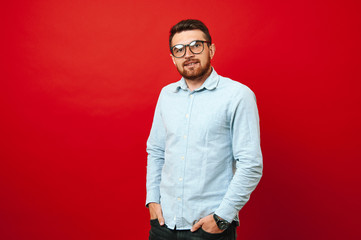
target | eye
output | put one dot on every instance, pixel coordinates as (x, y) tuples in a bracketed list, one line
[(178, 48), (195, 44)]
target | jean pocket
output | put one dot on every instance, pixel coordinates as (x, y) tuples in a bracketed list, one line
[(154, 222), (213, 236)]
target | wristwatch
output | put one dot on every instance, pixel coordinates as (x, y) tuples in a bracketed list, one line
[(221, 223)]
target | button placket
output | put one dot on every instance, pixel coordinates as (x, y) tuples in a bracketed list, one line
[(187, 118)]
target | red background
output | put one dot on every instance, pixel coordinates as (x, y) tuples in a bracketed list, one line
[(79, 83)]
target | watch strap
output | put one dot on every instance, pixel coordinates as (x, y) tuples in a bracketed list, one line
[(221, 223)]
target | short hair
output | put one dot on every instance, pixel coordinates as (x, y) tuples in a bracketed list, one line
[(189, 24)]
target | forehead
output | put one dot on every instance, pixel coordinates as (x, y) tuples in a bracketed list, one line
[(186, 37)]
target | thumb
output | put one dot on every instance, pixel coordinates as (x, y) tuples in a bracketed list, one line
[(196, 226), (161, 219)]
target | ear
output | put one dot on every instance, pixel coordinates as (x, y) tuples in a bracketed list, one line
[(212, 50), (172, 58)]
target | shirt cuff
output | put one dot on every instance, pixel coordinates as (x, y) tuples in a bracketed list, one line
[(153, 196), (226, 211)]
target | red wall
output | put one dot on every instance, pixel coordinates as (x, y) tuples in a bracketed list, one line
[(79, 83)]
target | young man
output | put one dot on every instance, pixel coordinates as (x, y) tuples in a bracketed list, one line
[(204, 155)]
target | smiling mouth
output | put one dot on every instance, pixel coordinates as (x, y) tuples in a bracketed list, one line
[(190, 64)]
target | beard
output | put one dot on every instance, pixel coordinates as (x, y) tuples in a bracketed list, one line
[(194, 73)]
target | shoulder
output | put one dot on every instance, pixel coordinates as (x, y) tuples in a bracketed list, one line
[(235, 88), (170, 88)]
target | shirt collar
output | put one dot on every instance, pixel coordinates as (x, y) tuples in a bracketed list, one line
[(210, 83)]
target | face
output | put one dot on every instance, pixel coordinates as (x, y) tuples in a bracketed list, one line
[(193, 66)]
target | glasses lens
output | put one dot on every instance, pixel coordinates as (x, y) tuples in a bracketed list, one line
[(178, 50), (196, 46)]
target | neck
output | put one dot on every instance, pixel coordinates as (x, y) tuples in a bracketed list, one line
[(197, 82)]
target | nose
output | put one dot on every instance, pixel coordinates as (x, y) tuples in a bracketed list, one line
[(188, 52)]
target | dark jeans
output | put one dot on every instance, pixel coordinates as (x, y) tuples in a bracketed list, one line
[(158, 232)]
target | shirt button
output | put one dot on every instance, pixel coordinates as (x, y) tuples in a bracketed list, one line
[(187, 115), (190, 96), (179, 199), (180, 179), (182, 157), (185, 136)]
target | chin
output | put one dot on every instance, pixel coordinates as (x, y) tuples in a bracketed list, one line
[(194, 75)]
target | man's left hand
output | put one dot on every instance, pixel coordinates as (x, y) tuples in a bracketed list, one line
[(208, 224)]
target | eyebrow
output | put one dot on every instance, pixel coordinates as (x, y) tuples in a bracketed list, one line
[(189, 42)]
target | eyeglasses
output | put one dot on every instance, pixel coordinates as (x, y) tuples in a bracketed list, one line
[(195, 47)]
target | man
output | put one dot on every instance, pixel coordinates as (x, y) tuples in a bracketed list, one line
[(204, 156)]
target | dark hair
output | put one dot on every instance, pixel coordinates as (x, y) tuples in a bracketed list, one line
[(189, 24)]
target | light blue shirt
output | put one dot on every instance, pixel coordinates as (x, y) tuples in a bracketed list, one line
[(204, 152)]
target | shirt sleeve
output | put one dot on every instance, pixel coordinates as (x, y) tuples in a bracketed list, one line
[(245, 133), (155, 150)]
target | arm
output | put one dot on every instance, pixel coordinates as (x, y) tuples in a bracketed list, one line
[(155, 150), (247, 154), (248, 157)]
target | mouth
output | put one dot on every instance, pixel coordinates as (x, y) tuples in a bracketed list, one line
[(190, 64)]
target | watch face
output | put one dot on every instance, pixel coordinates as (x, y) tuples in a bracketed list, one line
[(222, 225)]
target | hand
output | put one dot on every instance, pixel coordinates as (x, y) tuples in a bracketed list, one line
[(155, 211), (208, 224)]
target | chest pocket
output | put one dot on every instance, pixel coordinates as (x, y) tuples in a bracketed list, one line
[(217, 128)]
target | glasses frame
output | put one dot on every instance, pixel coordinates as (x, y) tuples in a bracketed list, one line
[(189, 46)]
